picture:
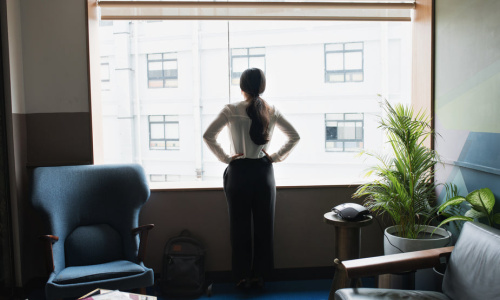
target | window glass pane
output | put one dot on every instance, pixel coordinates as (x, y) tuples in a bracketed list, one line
[(336, 77), (354, 116), (171, 118), (334, 47), (157, 131), (353, 60), (170, 65), (337, 117), (358, 76), (239, 52), (331, 133), (170, 83), (155, 66), (157, 145), (334, 61), (359, 132), (173, 144), (172, 130), (348, 132), (240, 64), (258, 62), (155, 83), (351, 146)]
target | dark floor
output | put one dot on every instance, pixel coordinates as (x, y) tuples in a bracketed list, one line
[(276, 290)]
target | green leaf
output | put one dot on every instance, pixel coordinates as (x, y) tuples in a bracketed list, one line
[(496, 218), (482, 200), (455, 218), (453, 201), (472, 213)]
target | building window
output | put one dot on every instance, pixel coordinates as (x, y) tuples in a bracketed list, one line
[(162, 70), (163, 132), (244, 58), (344, 132), (344, 62)]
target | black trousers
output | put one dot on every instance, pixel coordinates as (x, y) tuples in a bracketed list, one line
[(251, 196)]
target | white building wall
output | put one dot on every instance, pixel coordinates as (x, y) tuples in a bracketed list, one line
[(295, 72)]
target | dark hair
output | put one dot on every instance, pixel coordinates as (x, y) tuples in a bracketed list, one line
[(253, 83)]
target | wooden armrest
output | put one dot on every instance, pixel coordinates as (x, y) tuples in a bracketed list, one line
[(49, 255), (142, 228), (395, 263), (143, 232)]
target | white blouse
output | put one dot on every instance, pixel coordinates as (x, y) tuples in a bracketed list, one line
[(234, 116)]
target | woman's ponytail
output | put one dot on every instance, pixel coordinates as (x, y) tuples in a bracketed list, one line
[(253, 83)]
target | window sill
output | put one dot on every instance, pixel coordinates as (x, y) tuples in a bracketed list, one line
[(280, 184)]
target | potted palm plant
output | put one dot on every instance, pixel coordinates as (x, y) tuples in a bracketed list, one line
[(403, 187)]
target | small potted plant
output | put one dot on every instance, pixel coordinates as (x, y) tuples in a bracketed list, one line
[(403, 187), (478, 205)]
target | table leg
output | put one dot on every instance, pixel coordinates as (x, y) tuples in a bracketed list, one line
[(347, 246), (347, 243)]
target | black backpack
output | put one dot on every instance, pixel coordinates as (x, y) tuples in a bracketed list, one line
[(183, 271)]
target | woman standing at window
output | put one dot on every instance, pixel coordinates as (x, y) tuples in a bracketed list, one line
[(249, 179)]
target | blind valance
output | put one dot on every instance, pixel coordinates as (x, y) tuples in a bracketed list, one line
[(248, 10)]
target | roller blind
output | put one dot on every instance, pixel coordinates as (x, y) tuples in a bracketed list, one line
[(248, 10)]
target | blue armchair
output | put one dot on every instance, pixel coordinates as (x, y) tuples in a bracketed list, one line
[(95, 241)]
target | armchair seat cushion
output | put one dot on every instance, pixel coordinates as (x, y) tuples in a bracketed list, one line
[(99, 272), (372, 293)]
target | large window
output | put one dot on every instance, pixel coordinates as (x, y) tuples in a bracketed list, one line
[(146, 122), (344, 62)]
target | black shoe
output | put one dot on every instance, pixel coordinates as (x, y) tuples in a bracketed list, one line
[(243, 284), (257, 282)]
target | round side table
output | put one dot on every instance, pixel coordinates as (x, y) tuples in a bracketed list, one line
[(347, 235), (347, 246)]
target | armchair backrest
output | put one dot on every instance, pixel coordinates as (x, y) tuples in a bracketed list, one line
[(92, 209), (473, 269)]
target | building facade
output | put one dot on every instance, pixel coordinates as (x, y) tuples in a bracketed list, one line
[(163, 82)]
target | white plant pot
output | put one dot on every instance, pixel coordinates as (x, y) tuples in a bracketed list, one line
[(394, 244), (424, 279)]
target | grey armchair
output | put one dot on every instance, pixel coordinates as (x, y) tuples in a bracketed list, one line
[(95, 240), (472, 270)]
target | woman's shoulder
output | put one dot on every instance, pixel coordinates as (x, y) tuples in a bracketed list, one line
[(235, 108), (273, 111)]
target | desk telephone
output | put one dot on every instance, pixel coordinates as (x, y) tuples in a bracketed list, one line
[(351, 211)]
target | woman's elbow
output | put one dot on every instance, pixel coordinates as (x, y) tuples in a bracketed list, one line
[(296, 138), (207, 137)]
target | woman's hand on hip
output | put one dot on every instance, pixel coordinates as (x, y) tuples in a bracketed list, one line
[(268, 156), (236, 156)]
